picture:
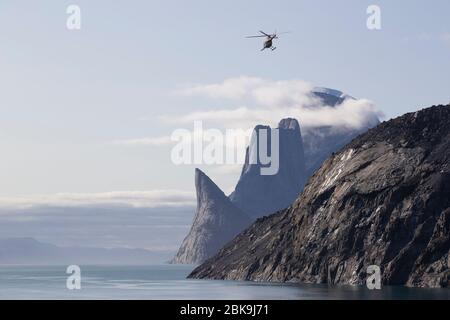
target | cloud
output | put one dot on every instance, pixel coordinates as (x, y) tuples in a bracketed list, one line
[(156, 220), (134, 199), (263, 101), (229, 140), (215, 115), (267, 102), (148, 141), (262, 91), (228, 169), (350, 114), (445, 37), (235, 88), (107, 226)]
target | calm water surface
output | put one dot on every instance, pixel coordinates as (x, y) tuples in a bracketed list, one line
[(169, 282)]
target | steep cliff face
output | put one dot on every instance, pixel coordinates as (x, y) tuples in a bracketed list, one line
[(216, 222), (259, 194), (320, 142), (382, 200)]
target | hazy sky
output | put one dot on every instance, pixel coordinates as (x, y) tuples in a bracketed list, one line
[(68, 97)]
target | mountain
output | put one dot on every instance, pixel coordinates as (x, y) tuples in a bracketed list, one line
[(216, 222), (29, 251), (256, 194), (330, 97), (259, 194), (382, 200), (320, 142)]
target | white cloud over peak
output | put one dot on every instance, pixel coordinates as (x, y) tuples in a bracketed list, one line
[(262, 101), (265, 101)]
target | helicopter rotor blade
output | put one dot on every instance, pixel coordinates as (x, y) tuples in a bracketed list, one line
[(276, 34), (271, 36)]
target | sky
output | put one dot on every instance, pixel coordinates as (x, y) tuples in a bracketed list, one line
[(85, 115)]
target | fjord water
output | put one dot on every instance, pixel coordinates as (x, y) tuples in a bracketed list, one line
[(169, 282)]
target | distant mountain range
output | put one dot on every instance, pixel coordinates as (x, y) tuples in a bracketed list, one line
[(257, 195), (382, 200), (28, 251)]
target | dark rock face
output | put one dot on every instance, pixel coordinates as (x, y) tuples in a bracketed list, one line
[(382, 200), (259, 194), (319, 143), (216, 222)]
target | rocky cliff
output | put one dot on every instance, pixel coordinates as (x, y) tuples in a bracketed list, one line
[(300, 155), (216, 222), (382, 200), (319, 144), (259, 194)]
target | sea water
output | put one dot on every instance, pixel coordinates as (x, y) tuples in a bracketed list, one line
[(169, 282)]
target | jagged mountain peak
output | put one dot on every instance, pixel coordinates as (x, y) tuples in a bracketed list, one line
[(289, 124), (259, 194), (216, 222), (206, 188), (415, 128)]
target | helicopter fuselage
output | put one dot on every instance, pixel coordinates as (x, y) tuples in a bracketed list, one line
[(268, 43)]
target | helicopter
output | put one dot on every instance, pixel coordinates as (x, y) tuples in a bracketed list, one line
[(268, 43)]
